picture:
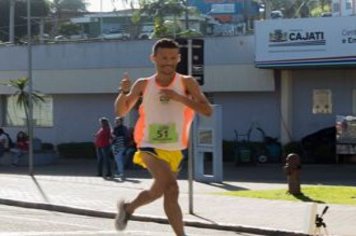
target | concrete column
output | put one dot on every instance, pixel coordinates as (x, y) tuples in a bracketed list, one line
[(41, 29), (286, 106)]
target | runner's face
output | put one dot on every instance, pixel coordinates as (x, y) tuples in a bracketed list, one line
[(166, 60)]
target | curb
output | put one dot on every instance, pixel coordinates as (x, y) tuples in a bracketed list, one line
[(149, 218)]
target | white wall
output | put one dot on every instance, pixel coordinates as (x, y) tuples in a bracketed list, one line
[(97, 67), (341, 82), (242, 109)]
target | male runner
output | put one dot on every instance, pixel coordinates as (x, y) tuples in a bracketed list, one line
[(169, 101)]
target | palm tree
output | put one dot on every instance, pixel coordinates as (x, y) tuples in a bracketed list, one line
[(23, 96)]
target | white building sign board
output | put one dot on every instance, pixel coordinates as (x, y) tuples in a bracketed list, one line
[(222, 8), (306, 42)]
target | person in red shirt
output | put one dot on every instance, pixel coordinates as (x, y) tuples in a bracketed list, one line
[(103, 147)]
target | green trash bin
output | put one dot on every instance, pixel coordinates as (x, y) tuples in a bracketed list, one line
[(245, 156)]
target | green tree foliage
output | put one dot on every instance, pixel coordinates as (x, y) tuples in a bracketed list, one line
[(160, 9), (39, 8), (60, 7), (68, 29), (299, 8)]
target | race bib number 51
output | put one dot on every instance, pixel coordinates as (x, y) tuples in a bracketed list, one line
[(163, 133)]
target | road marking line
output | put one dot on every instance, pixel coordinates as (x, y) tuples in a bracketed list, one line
[(56, 233), (49, 221), (127, 232)]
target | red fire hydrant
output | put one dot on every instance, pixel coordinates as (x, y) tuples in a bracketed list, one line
[(292, 169)]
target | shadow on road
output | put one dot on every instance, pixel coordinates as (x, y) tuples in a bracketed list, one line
[(226, 186)]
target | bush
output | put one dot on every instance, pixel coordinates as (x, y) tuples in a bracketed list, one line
[(77, 150), (47, 147)]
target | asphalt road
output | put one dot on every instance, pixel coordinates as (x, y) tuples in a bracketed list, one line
[(15, 221)]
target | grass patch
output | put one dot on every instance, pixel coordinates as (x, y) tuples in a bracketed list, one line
[(312, 193)]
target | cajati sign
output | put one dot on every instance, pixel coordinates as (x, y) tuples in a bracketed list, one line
[(305, 42)]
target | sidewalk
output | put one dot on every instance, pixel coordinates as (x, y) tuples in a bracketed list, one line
[(70, 186)]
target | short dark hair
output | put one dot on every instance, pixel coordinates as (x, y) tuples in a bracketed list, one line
[(104, 120), (164, 43)]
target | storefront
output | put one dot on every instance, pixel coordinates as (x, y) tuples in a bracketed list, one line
[(316, 61)]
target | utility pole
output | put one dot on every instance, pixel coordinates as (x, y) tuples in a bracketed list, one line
[(41, 29), (29, 70), (245, 13), (268, 9), (101, 17), (191, 145), (186, 15), (12, 22)]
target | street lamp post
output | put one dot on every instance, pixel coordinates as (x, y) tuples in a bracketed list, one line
[(29, 71)]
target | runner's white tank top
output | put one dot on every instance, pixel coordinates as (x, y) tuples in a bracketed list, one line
[(162, 123)]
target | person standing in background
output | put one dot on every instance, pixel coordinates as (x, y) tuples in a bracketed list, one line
[(21, 147), (119, 144), (4, 142), (130, 149), (103, 147)]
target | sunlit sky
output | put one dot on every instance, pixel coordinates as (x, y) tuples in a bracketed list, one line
[(106, 5)]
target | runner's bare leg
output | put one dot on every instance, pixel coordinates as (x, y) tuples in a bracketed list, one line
[(165, 183)]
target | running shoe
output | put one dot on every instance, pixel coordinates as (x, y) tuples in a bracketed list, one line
[(122, 216)]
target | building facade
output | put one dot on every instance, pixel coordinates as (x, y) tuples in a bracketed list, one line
[(81, 80), (343, 7), (290, 79), (315, 59)]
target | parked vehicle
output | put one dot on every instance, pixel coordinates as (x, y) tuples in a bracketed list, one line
[(116, 34), (145, 35), (146, 32), (276, 14), (70, 37), (320, 146), (326, 14)]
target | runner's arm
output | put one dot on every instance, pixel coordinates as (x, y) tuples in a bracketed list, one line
[(194, 98), (197, 101), (125, 101)]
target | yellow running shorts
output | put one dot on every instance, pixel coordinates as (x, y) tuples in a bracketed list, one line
[(173, 158)]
